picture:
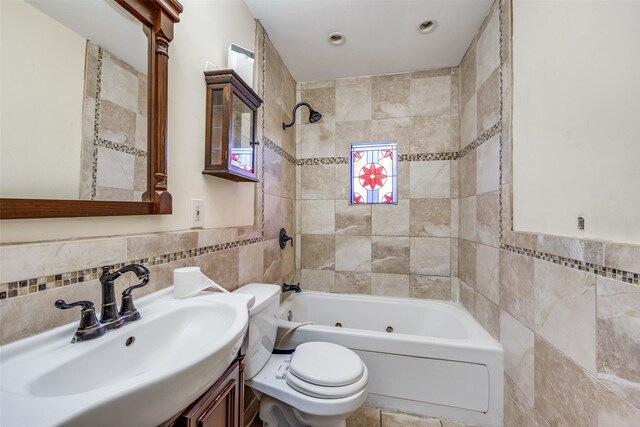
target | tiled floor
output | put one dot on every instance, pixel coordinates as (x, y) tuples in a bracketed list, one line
[(375, 417)]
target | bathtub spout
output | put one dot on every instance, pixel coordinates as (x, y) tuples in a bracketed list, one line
[(288, 288)]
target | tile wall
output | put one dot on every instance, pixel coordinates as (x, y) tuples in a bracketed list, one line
[(565, 310), (408, 249), (34, 275)]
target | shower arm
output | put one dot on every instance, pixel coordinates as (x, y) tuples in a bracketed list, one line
[(293, 115)]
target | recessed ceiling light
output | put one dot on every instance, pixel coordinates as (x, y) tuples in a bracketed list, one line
[(426, 26), (336, 38)]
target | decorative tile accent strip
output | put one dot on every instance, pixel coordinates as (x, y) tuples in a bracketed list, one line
[(39, 284), (278, 150), (428, 157), (487, 135), (600, 270), (120, 147), (323, 161), (96, 127)]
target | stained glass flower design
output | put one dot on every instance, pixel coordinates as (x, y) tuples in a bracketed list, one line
[(373, 173)]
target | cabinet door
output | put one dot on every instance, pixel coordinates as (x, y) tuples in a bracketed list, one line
[(222, 411)]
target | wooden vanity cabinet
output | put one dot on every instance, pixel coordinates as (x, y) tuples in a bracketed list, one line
[(220, 406)]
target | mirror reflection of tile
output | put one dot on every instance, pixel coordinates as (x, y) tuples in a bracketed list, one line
[(114, 140)]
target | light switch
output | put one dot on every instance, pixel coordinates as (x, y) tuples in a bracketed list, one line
[(197, 213)]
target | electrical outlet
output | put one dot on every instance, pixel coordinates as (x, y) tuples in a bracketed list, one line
[(197, 213)]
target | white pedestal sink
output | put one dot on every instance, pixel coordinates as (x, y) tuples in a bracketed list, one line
[(138, 375)]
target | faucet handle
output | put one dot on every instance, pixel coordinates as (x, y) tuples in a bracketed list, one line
[(89, 327), (128, 310)]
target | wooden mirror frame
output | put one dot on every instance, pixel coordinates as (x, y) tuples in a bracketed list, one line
[(158, 17)]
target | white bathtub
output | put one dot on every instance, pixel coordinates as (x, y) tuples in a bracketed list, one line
[(437, 361)]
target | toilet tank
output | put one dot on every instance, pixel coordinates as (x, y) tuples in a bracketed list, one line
[(263, 325)]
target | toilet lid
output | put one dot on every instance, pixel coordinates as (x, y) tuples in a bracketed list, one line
[(326, 364), (324, 392)]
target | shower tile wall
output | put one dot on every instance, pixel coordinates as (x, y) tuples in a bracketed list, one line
[(34, 275), (571, 337), (408, 249)]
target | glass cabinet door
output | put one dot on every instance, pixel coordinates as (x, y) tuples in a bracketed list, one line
[(241, 136), (216, 130)]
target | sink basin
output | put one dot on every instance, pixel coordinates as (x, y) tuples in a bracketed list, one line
[(140, 374)]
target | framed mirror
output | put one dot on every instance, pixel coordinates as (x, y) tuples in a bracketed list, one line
[(84, 107)]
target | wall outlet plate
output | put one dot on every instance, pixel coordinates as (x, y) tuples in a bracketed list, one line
[(197, 213)]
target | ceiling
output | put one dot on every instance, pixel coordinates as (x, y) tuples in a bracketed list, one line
[(381, 36)]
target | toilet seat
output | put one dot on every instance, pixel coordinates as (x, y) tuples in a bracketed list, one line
[(327, 371)]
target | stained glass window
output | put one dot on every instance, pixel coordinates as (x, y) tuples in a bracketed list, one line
[(374, 173)]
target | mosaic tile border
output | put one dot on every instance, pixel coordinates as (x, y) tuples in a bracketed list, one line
[(315, 161), (43, 283), (428, 157), (278, 150), (599, 270), (120, 147)]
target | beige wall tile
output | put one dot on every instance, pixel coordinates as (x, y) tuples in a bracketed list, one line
[(518, 411), (488, 315), (468, 175), (273, 216), (353, 102), (518, 343), (391, 220), (623, 257), (434, 134), (317, 140), (352, 219), (352, 132), (469, 121), (565, 314), (318, 182), (455, 179), (468, 218), (272, 259), (221, 267), (516, 286), (149, 245), (251, 267), (430, 287), (430, 217), (618, 338), (392, 285), (487, 49), (317, 280), (468, 298), (317, 252), (468, 261), (468, 73), (391, 99), (392, 130), (581, 250), (430, 179), (615, 411), (353, 253), (488, 272), (565, 394), (488, 218), (352, 282), (322, 100), (431, 95), (430, 256), (488, 166), (489, 102), (390, 254), (455, 217), (317, 216), (455, 257)]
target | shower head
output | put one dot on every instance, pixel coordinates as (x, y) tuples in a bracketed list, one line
[(314, 116)]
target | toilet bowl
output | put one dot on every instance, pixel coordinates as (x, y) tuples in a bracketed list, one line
[(320, 384)]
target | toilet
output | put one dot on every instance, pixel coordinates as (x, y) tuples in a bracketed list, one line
[(320, 384)]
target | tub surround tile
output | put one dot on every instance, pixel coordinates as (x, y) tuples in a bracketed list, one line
[(468, 298), (430, 179), (352, 282), (618, 338), (317, 140), (516, 286), (430, 256), (468, 73), (488, 49), (253, 271), (317, 280), (563, 297), (455, 179), (318, 182), (518, 343), (468, 175), (317, 251), (454, 221), (322, 99), (352, 219), (468, 218), (431, 95), (489, 102), (615, 411), (430, 217), (518, 411), (391, 220), (468, 121), (391, 99), (390, 254), (317, 216), (487, 272), (455, 257), (353, 102), (565, 394), (468, 262), (434, 134), (488, 218), (348, 133), (352, 253), (487, 314), (488, 166), (394, 130), (430, 287), (392, 285)]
